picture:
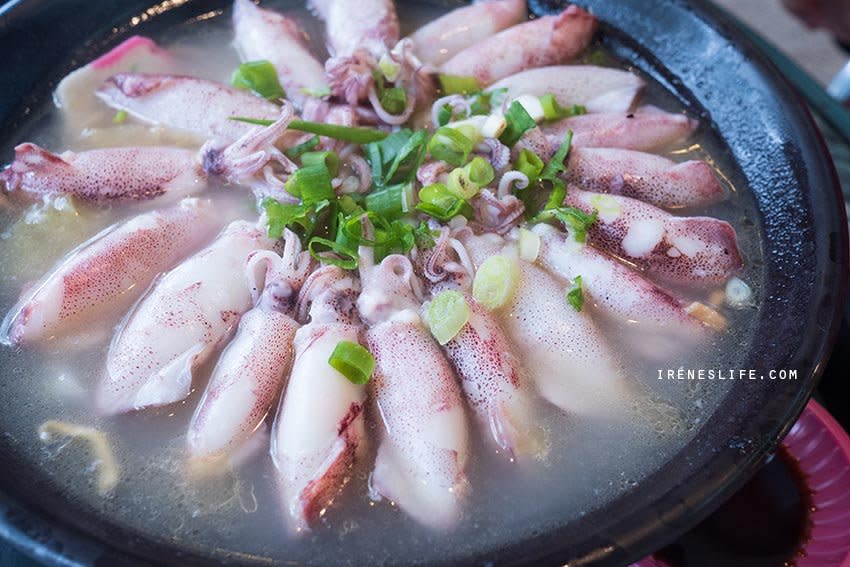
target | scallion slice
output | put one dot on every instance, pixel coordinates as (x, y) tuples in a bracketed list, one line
[(259, 77), (437, 201), (285, 215), (352, 361), (447, 314), (577, 221), (554, 111), (327, 159), (495, 281), (529, 245), (321, 92), (392, 202), (357, 135), (480, 171), (301, 148), (330, 252), (518, 123), (458, 84), (450, 145), (312, 184), (575, 295), (119, 117), (529, 164)]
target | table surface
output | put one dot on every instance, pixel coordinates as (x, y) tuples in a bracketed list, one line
[(821, 59)]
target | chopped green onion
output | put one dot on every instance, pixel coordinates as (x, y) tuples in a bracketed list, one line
[(357, 135), (529, 245), (437, 201), (465, 182), (424, 237), (550, 174), (352, 361), (518, 123), (119, 117), (316, 93), (450, 145), (333, 254), (447, 314), (458, 84), (349, 205), (409, 155), (577, 221), (529, 164), (396, 158), (557, 164), (249, 120), (327, 159), (285, 215), (394, 100), (312, 184), (575, 295), (480, 171), (445, 114), (554, 111), (260, 77), (495, 281), (392, 202), (389, 68), (485, 102), (301, 148)]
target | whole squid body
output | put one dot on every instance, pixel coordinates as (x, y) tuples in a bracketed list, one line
[(646, 129), (200, 107), (598, 89), (186, 315), (101, 278), (549, 40), (444, 37), (563, 350), (655, 320), (140, 173), (262, 34), (421, 460), (701, 250), (650, 178), (319, 433), (252, 369), (491, 375)]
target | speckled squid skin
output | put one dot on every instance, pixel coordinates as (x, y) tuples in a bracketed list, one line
[(185, 316), (598, 89), (252, 369), (695, 250), (562, 349), (549, 40), (194, 105), (104, 175), (421, 460), (656, 318), (262, 34), (646, 129), (648, 177), (370, 25), (319, 434), (101, 278), (442, 38), (491, 375)]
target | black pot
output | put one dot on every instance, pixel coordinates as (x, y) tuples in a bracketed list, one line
[(692, 49)]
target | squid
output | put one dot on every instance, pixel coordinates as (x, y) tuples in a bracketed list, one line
[(267, 35), (648, 177), (678, 250), (443, 38), (563, 350), (656, 318), (103, 276), (598, 89), (421, 460), (549, 40), (319, 434), (252, 368), (136, 53), (491, 375), (646, 129), (180, 322), (200, 107), (104, 175)]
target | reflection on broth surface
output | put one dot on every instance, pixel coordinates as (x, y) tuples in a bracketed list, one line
[(506, 443)]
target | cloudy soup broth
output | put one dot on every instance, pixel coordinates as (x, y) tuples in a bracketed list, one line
[(583, 461)]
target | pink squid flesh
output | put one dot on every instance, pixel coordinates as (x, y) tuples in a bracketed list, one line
[(198, 106), (550, 40), (646, 129), (599, 89), (491, 374), (422, 457), (319, 433), (186, 315), (103, 277), (267, 35), (370, 25), (656, 320), (648, 177), (674, 249), (251, 370), (441, 39), (562, 350), (104, 175)]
